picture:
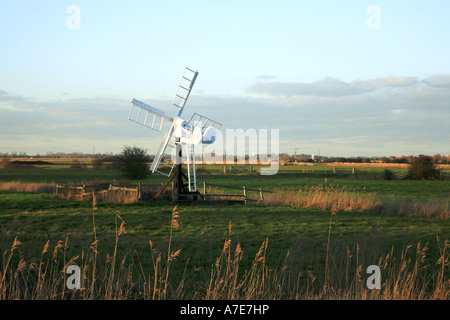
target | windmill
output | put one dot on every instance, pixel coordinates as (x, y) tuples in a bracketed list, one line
[(181, 138)]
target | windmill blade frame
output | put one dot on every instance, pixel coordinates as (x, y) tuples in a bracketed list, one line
[(146, 109), (184, 88), (185, 136), (162, 152)]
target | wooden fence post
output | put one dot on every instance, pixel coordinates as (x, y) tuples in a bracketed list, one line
[(173, 192), (204, 190), (245, 194), (353, 170), (261, 197), (139, 192)]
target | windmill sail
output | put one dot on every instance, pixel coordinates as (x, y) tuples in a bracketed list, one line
[(147, 115), (197, 130), (181, 96), (199, 120), (184, 88), (162, 151)]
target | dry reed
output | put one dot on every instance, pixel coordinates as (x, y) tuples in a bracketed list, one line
[(19, 186), (412, 273), (326, 197), (323, 197)]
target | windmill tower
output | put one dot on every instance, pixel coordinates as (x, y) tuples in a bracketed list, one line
[(181, 138)]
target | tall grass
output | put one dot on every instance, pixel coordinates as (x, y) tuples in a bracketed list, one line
[(20, 186), (110, 196), (323, 197), (305, 272), (435, 207), (329, 196)]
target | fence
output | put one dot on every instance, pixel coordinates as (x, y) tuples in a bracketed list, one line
[(244, 197), (237, 169), (120, 193), (143, 192), (400, 175)]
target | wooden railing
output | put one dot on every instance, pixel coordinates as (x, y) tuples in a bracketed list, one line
[(244, 196), (137, 188)]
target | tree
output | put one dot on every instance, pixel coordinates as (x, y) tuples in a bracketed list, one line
[(132, 163), (422, 168), (284, 157)]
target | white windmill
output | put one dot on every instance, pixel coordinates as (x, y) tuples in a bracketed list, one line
[(181, 135)]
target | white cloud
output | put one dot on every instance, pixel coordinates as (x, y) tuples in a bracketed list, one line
[(385, 82), (384, 116), (328, 87), (440, 81), (331, 87)]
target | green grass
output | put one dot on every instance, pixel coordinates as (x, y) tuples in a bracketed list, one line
[(35, 218), (287, 177), (57, 175)]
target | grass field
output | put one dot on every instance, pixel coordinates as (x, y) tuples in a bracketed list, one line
[(313, 246)]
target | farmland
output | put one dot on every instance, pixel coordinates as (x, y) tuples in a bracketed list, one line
[(313, 237)]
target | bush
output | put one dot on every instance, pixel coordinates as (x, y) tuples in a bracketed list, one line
[(132, 163), (77, 165), (98, 164), (388, 174), (422, 168)]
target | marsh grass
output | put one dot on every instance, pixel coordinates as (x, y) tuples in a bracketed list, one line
[(323, 197), (326, 197), (110, 196), (308, 270), (19, 186), (319, 196), (434, 207)]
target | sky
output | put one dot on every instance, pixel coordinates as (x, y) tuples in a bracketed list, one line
[(343, 78)]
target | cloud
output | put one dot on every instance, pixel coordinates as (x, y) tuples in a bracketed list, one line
[(7, 97), (265, 77), (440, 81), (383, 116), (386, 115), (331, 87), (328, 87), (384, 82)]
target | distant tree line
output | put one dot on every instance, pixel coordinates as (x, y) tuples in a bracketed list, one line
[(109, 156), (435, 159), (55, 155)]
